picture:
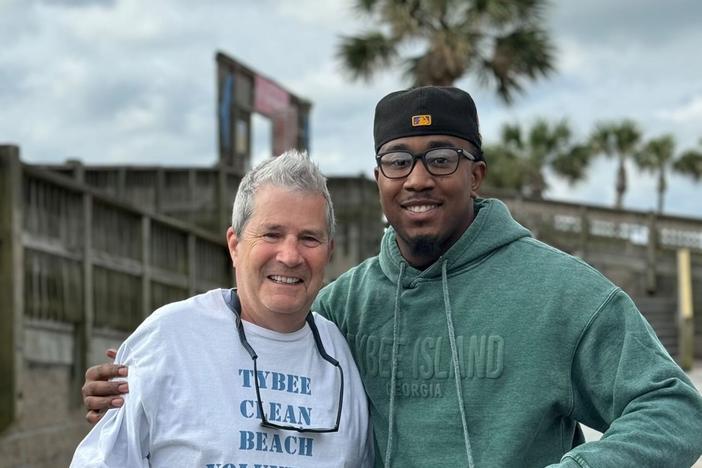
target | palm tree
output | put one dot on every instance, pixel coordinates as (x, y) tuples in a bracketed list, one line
[(518, 162), (617, 140), (658, 156), (690, 164), (548, 146), (506, 168), (655, 156), (503, 41)]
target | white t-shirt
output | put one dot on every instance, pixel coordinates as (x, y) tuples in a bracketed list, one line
[(192, 401)]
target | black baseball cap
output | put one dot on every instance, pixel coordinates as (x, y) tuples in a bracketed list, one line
[(427, 110)]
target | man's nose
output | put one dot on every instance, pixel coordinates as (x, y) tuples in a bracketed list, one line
[(289, 252), (419, 178)]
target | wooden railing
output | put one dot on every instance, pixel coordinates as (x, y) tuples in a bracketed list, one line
[(77, 258), (635, 249), (203, 196)]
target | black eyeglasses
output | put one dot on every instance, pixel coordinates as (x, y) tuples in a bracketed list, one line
[(235, 305), (397, 164)]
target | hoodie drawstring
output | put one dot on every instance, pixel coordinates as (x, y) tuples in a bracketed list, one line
[(393, 368), (456, 367)]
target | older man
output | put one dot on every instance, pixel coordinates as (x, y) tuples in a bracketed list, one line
[(481, 346), (246, 377)]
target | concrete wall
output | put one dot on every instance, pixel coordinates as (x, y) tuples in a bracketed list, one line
[(50, 423)]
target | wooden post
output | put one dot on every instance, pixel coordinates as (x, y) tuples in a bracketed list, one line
[(224, 205), (78, 169), (686, 322), (146, 305), (651, 254), (192, 189), (121, 189), (584, 232), (11, 284), (160, 191), (83, 331), (192, 264)]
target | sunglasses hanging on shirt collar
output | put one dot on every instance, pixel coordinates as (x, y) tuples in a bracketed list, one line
[(232, 300)]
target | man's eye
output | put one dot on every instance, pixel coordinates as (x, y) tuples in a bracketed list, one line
[(271, 236), (438, 161), (310, 241), (397, 163)]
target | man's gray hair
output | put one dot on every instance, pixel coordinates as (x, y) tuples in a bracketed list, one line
[(292, 170)]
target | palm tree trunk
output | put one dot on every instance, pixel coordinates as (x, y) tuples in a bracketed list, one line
[(662, 186), (621, 184)]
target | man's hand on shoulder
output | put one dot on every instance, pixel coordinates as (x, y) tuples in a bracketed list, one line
[(99, 392)]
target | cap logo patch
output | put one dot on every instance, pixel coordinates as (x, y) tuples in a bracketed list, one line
[(421, 120)]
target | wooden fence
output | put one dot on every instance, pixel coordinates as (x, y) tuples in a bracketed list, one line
[(203, 196), (75, 264)]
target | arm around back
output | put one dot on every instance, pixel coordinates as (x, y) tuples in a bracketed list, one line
[(120, 438)]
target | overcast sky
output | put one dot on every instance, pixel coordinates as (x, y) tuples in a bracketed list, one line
[(133, 82)]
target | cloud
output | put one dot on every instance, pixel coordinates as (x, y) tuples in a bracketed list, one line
[(79, 3), (684, 112), (335, 14), (134, 82), (647, 22)]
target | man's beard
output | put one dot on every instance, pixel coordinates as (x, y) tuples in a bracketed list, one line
[(425, 246)]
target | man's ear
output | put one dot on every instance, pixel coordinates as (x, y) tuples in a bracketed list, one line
[(232, 243), (375, 173), (478, 172)]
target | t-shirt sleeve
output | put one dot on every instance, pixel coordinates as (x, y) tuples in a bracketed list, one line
[(120, 438)]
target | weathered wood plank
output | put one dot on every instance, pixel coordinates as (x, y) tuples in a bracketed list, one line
[(11, 284)]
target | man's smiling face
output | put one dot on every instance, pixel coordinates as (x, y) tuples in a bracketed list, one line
[(429, 213), (280, 257)]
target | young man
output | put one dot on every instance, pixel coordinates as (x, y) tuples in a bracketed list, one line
[(246, 377), (481, 346)]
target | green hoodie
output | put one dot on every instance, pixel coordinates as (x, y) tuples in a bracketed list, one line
[(539, 340)]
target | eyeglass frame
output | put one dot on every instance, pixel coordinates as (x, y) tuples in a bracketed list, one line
[(235, 306), (422, 156)]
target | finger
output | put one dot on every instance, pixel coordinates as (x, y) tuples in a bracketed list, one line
[(102, 403), (111, 353), (109, 389), (105, 372), (93, 416)]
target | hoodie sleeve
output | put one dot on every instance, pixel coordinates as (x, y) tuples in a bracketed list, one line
[(120, 438), (626, 385)]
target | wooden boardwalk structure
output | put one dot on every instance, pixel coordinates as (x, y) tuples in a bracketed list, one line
[(86, 253)]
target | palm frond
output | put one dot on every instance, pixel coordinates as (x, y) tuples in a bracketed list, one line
[(363, 55), (525, 53), (502, 41), (366, 6), (572, 165), (689, 164), (656, 153)]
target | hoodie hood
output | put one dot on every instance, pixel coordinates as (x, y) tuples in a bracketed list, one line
[(492, 228)]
